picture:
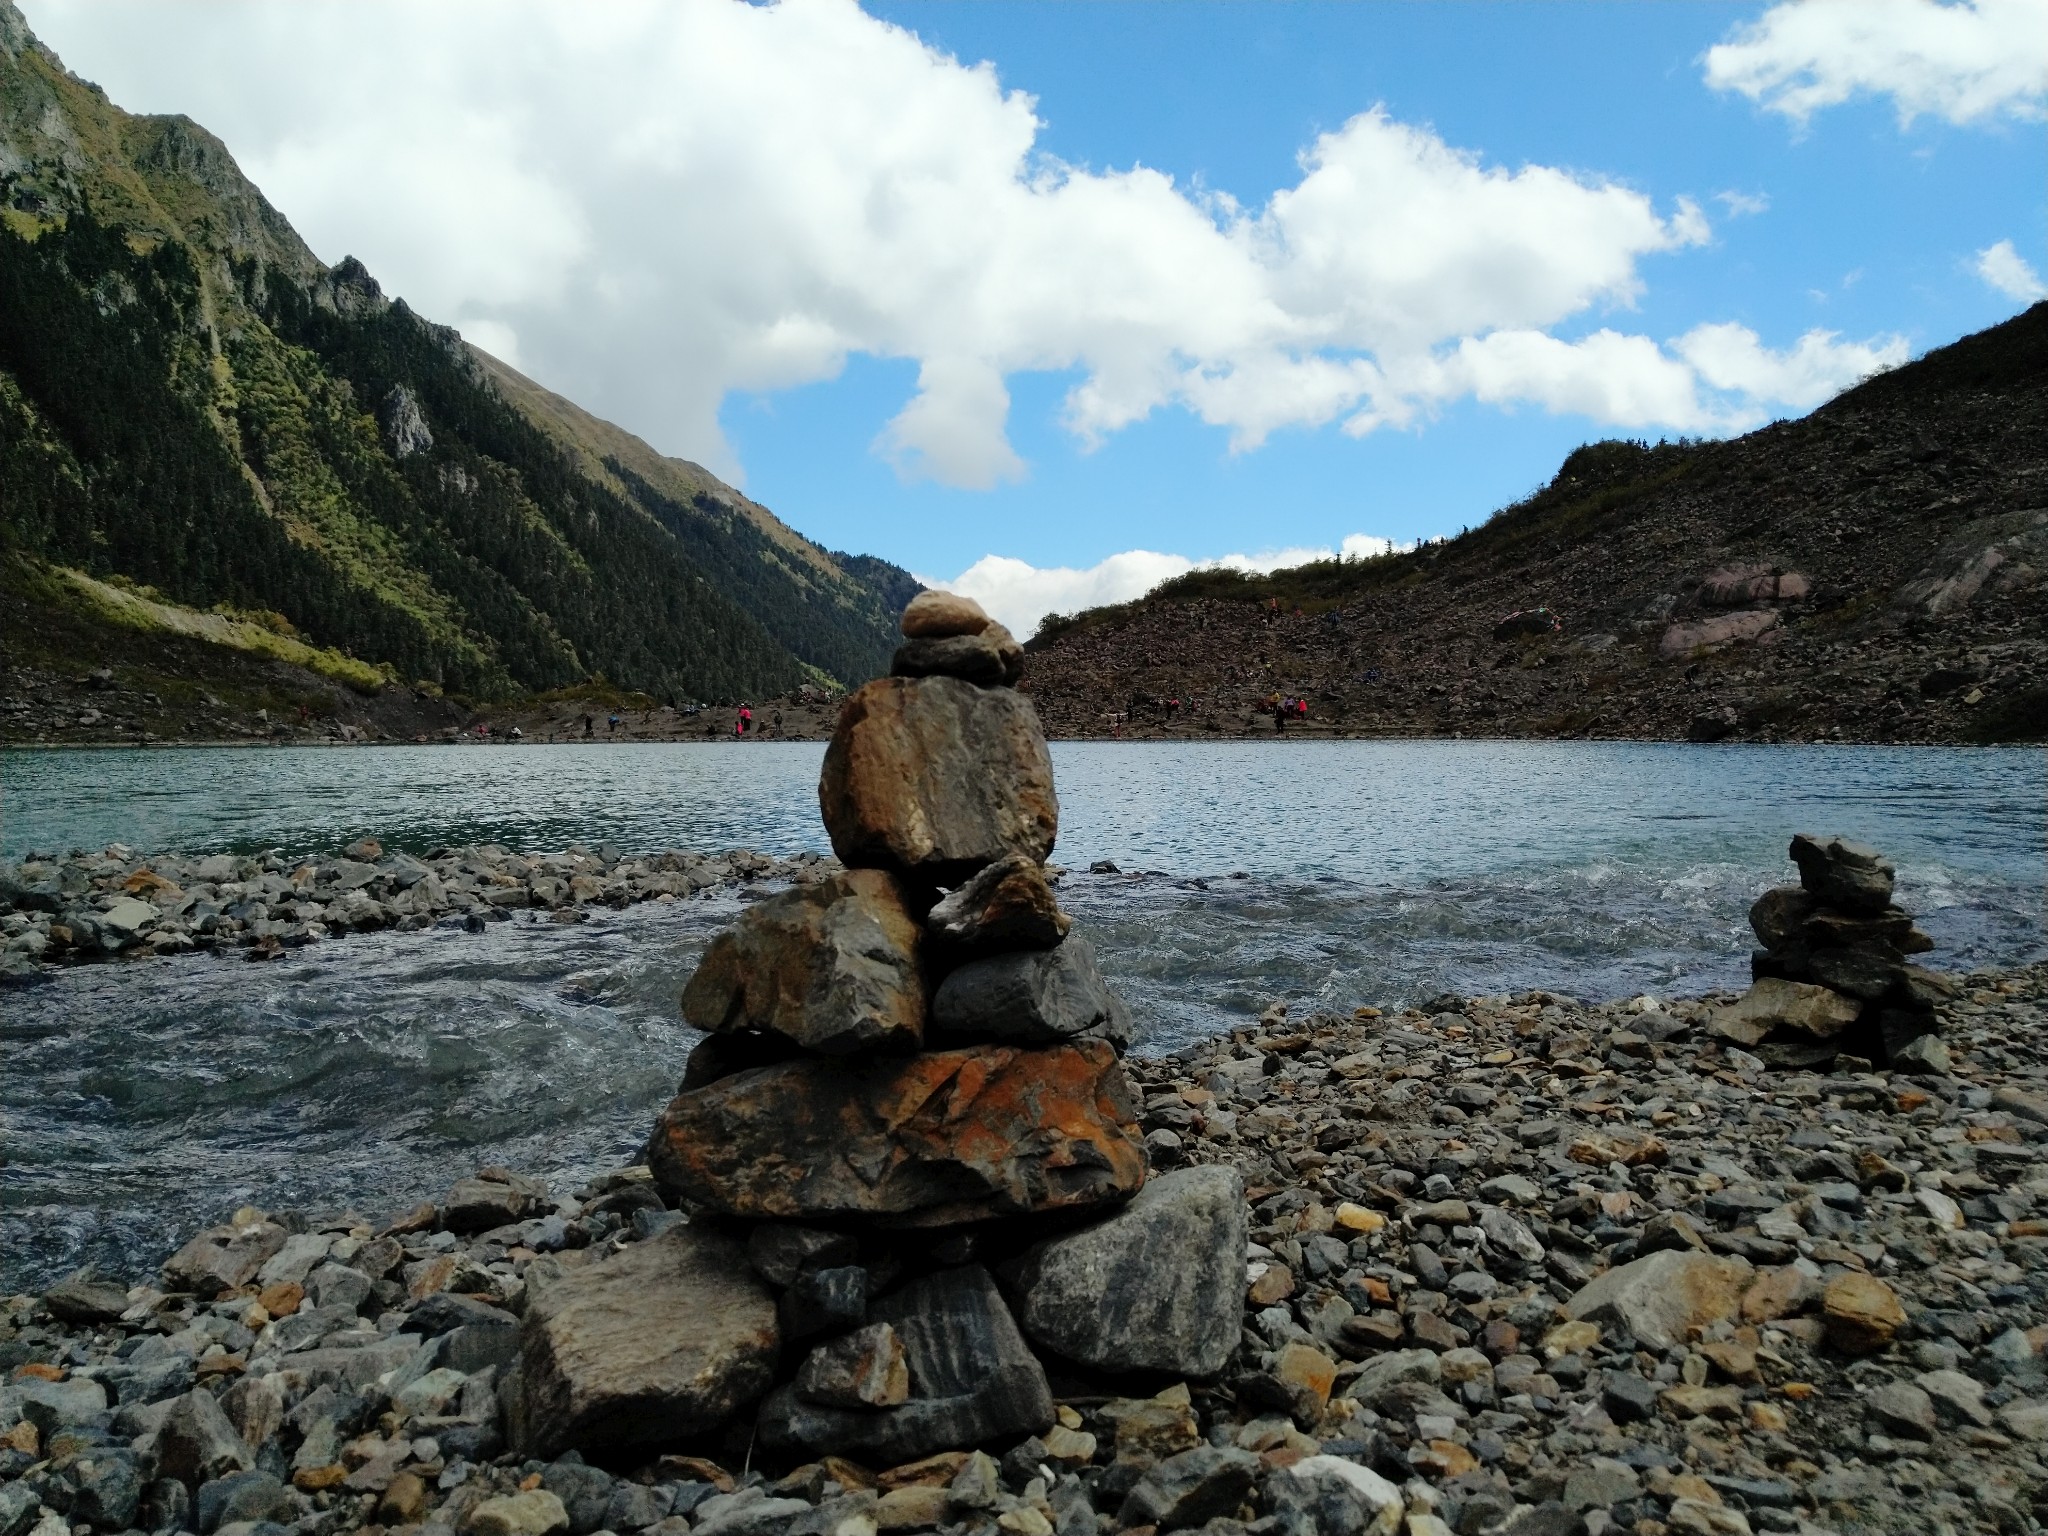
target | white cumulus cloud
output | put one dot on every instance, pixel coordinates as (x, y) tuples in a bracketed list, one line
[(1965, 61), (1730, 357), (1020, 594), (652, 205), (2005, 269)]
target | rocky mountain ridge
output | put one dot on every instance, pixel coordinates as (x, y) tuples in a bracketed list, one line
[(194, 405), (1871, 572)]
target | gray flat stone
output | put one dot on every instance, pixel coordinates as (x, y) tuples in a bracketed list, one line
[(1157, 1286), (1032, 997)]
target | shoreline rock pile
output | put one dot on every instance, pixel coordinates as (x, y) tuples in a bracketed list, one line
[(1517, 1265), (113, 905), (907, 1145), (1832, 978)]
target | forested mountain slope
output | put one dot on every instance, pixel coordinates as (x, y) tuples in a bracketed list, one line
[(191, 401), (1875, 571)]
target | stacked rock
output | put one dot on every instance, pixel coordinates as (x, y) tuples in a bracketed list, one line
[(1832, 976), (910, 1086)]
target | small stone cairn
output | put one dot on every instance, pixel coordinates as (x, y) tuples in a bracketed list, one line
[(912, 1162), (1832, 978)]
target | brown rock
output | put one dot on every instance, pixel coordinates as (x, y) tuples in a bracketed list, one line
[(1690, 1402), (913, 1507), (1735, 1359), (1778, 1293), (1152, 1427), (1861, 1312), (935, 777), (1704, 636), (1009, 905), (942, 1138), (933, 615), (282, 1299), (926, 1472), (1772, 1001), (864, 1369), (831, 965), (1599, 1148), (1308, 1374), (667, 1339), (1275, 1283), (496, 1197), (991, 659), (404, 1501)]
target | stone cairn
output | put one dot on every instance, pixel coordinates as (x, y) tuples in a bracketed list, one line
[(908, 1149), (1832, 978)]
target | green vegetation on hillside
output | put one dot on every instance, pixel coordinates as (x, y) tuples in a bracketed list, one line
[(189, 400)]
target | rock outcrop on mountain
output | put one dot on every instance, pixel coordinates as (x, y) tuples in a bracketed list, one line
[(195, 408), (1871, 572)]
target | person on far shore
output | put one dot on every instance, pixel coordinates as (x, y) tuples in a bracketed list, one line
[(589, 726)]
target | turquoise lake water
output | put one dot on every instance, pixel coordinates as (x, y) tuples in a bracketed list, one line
[(141, 1099)]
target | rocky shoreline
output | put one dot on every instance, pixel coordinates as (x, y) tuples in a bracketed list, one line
[(1531, 1265), (115, 905), (916, 1247)]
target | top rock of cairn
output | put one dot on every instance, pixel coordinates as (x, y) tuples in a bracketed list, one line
[(950, 636), (942, 615)]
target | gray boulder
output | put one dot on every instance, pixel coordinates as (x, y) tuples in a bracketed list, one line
[(667, 1339), (197, 1442), (83, 1299), (240, 1497), (972, 1380), (55, 1405), (1032, 997), (223, 1258), (991, 659), (19, 1504), (1158, 1286), (107, 1490)]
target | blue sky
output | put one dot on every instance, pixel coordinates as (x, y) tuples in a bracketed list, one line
[(945, 282)]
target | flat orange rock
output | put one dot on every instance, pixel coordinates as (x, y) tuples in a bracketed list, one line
[(930, 1140)]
